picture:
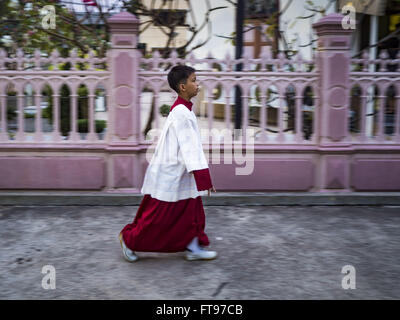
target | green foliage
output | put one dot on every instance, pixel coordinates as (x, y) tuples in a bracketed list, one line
[(65, 111), (83, 125), (11, 111), (253, 111), (21, 23), (164, 110)]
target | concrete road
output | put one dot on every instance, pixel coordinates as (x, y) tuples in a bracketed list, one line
[(265, 252)]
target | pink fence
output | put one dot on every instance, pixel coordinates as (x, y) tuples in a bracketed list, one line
[(375, 99), (328, 124), (43, 76)]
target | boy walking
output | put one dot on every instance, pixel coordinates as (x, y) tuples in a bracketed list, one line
[(171, 216)]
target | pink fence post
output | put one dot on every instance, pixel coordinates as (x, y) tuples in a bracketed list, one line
[(124, 113), (334, 68), (334, 72)]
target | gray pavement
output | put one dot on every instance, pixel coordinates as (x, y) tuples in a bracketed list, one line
[(265, 252)]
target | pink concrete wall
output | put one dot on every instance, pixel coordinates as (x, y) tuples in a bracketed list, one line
[(375, 174), (65, 173), (283, 174)]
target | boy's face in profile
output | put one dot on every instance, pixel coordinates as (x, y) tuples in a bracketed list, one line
[(190, 88)]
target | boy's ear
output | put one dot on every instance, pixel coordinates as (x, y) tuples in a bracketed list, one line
[(181, 87)]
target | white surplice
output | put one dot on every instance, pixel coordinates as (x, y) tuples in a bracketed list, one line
[(179, 151)]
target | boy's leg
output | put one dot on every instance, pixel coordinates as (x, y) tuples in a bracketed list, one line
[(198, 253), (201, 219), (194, 245), (129, 255)]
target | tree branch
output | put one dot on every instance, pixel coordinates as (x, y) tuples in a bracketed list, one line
[(309, 44), (307, 17), (75, 42), (231, 2), (205, 22)]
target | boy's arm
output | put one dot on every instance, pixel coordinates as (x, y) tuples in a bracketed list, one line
[(189, 144), (203, 179)]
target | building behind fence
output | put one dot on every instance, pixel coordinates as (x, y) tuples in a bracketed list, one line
[(329, 124)]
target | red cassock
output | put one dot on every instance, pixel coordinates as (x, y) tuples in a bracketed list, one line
[(162, 226)]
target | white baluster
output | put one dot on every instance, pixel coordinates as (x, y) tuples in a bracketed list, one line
[(91, 60), (228, 62), (265, 58), (246, 64), (299, 62), (281, 61), (298, 117), (156, 109), (155, 60), (37, 60), (381, 102), (20, 136), (20, 59), (245, 111), (365, 61), (315, 118), (263, 111), (38, 135), (210, 108), (56, 134), (228, 109), (173, 57), (383, 61), (73, 134), (92, 136), (3, 56), (54, 59), (72, 58), (3, 121), (280, 138), (363, 102), (397, 118)]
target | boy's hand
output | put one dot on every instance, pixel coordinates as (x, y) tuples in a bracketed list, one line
[(209, 190)]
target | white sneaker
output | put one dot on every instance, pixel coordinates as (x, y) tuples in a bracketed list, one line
[(129, 255), (200, 255)]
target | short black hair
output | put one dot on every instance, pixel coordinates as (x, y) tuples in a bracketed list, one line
[(179, 74)]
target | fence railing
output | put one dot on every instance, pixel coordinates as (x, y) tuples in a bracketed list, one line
[(279, 96), (375, 97), (273, 92), (42, 93)]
